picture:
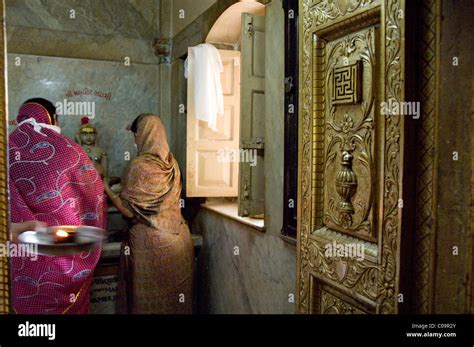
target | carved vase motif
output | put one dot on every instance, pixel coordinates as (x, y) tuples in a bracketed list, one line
[(346, 186)]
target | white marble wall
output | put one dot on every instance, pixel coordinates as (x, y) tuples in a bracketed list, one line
[(259, 280), (133, 91)]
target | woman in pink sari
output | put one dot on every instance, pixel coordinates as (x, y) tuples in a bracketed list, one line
[(51, 181)]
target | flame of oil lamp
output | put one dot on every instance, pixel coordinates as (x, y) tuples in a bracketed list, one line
[(64, 237), (62, 233)]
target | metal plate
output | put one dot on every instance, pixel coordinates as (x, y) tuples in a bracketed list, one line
[(81, 239)]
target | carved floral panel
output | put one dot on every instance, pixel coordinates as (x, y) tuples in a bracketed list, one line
[(349, 156)]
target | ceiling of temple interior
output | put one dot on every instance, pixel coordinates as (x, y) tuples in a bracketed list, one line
[(138, 19)]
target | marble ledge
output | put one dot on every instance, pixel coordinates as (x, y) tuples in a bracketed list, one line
[(231, 211)]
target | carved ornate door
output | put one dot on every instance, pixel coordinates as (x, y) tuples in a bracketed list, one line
[(351, 171)]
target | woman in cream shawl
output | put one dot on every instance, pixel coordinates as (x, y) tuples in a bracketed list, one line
[(157, 255)]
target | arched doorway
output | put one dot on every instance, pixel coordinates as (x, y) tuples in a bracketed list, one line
[(228, 27)]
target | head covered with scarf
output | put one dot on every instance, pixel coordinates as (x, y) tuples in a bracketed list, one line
[(152, 186), (42, 110), (51, 180)]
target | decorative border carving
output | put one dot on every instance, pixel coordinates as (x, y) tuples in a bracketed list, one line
[(427, 158), (4, 274), (393, 30), (332, 304), (325, 11), (379, 280)]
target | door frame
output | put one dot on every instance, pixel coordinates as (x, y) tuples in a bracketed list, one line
[(315, 17), (427, 291)]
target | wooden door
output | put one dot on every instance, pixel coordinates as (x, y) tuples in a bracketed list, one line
[(351, 188), (212, 168)]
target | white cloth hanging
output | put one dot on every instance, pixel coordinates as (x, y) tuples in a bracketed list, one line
[(203, 69)]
